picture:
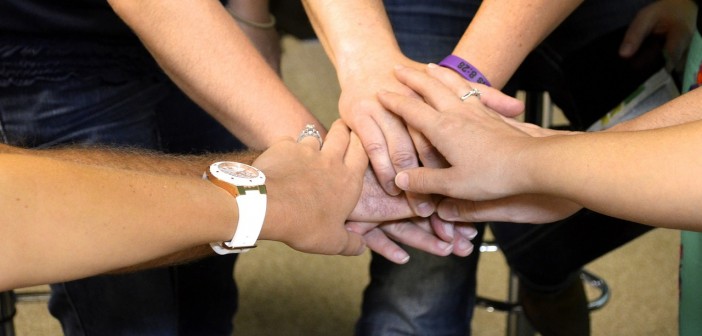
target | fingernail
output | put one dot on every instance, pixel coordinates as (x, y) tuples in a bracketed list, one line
[(445, 247), (402, 257), (464, 244), (449, 211), (391, 189), (402, 180), (448, 227), (425, 209), (467, 232), (432, 65)]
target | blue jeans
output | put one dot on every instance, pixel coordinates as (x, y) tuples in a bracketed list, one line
[(435, 295), (145, 112)]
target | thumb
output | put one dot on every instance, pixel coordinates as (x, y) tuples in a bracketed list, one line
[(500, 102), (424, 181)]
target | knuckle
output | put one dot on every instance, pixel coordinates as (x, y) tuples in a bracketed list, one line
[(404, 159), (375, 148)]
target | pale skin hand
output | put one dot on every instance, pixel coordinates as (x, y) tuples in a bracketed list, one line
[(359, 40), (674, 19), (443, 114), (432, 235), (385, 220), (386, 139), (518, 209), (621, 174)]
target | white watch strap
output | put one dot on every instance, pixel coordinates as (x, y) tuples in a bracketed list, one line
[(252, 212)]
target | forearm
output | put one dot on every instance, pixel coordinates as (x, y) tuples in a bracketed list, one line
[(651, 177), (356, 35), (135, 159), (677, 111), (504, 32), (201, 48), (76, 220)]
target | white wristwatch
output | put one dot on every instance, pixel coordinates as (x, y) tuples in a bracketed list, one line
[(247, 185)]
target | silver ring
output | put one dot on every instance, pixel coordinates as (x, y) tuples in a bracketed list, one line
[(473, 92), (310, 131)]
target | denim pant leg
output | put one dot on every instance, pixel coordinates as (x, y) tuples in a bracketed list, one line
[(430, 295), (89, 112)]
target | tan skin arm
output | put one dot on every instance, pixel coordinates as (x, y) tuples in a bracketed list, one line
[(75, 220), (200, 46), (62, 219)]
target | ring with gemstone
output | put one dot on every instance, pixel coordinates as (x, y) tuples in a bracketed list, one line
[(310, 131)]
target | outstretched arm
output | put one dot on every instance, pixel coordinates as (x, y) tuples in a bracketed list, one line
[(649, 176), (61, 219)]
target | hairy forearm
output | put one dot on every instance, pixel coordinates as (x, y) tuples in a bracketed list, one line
[(503, 33), (354, 34), (202, 49), (651, 177), (135, 159), (75, 220)]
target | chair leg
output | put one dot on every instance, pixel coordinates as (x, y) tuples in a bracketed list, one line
[(7, 313), (517, 322)]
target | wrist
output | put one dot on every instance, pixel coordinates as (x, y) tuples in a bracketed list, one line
[(465, 69), (361, 63), (523, 167), (246, 185)]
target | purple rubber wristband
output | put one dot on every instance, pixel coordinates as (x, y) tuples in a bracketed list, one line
[(464, 69)]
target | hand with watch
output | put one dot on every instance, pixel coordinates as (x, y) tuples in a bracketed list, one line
[(304, 197), (307, 195)]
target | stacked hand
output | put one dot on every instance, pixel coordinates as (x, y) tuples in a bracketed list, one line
[(393, 147), (313, 192), (481, 146)]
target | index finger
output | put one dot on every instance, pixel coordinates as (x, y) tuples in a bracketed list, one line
[(434, 92), (416, 113), (337, 139), (356, 157)]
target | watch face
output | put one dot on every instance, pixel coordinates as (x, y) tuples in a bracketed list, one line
[(237, 173), (239, 170)]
